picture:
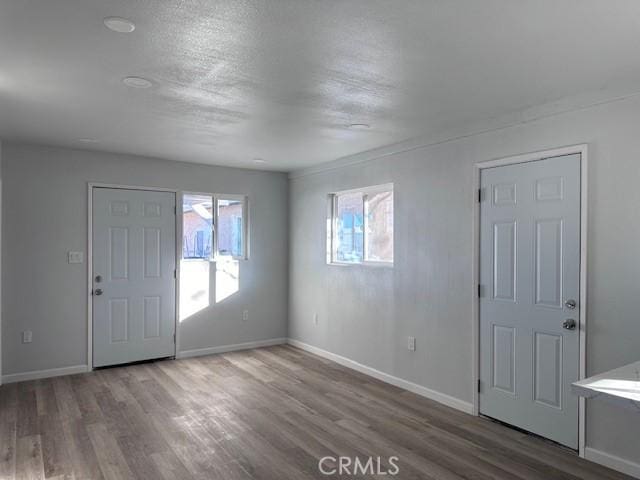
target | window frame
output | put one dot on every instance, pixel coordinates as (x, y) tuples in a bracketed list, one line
[(332, 226), (215, 198)]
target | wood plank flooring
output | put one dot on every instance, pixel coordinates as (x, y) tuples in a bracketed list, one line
[(268, 413)]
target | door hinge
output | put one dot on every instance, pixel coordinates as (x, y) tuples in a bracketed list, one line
[(479, 385), (175, 210), (174, 338), (480, 195), (479, 291)]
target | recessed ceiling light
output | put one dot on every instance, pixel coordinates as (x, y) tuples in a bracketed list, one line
[(119, 24), (259, 160), (359, 126), (137, 82)]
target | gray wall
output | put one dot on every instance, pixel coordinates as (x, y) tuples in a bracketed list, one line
[(44, 215), (366, 314)]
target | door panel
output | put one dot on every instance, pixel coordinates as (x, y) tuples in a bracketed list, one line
[(118, 251), (504, 360), (547, 369), (504, 261), (133, 268), (119, 319), (152, 312), (152, 252), (548, 262), (529, 268)]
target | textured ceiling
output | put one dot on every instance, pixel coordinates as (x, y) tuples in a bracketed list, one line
[(283, 79)]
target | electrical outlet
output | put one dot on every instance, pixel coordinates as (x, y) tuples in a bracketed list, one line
[(315, 318), (245, 315), (411, 344), (27, 336)]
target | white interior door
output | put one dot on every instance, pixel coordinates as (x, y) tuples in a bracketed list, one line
[(529, 312), (133, 275)]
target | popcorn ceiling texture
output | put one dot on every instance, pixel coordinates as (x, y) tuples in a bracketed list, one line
[(283, 79)]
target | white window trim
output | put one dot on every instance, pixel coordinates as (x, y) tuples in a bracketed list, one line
[(332, 226), (245, 226)]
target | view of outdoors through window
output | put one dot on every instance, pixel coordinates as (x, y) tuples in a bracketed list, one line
[(350, 228), (204, 232), (363, 223), (197, 226), (230, 228), (379, 225)]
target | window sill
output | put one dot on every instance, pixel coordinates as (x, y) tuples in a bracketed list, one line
[(214, 259), (228, 259), (361, 264)]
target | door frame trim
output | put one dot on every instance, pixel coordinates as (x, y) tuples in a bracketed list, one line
[(178, 236), (580, 149), (1, 279)]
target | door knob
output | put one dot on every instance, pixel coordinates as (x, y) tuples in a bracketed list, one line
[(570, 304), (97, 291), (569, 324)]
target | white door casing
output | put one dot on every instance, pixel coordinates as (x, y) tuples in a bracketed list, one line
[(529, 269), (133, 269)]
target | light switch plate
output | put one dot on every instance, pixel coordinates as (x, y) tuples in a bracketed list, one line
[(76, 257), (27, 336)]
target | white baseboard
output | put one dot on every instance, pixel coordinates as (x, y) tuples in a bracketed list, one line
[(230, 348), (385, 377), (38, 374), (58, 372), (616, 463)]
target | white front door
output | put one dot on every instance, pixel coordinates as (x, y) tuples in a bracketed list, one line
[(134, 260), (529, 311)]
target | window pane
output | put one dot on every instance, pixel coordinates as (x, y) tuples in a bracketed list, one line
[(379, 235), (230, 227), (349, 228), (197, 220)]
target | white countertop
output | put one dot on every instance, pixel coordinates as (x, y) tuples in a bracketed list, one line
[(620, 386)]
